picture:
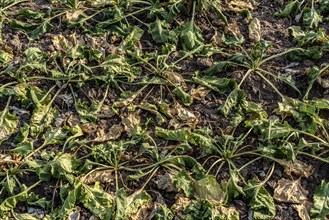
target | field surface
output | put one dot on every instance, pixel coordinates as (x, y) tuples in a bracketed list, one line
[(173, 109)]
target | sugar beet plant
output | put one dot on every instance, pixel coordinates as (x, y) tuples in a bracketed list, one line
[(100, 110)]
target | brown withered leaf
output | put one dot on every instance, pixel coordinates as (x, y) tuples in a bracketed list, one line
[(165, 109), (255, 30), (164, 182), (199, 93), (176, 79), (238, 5), (106, 112), (183, 117), (60, 42), (233, 29), (114, 133), (298, 167), (303, 210), (102, 176), (130, 122), (290, 191), (89, 128), (72, 15)]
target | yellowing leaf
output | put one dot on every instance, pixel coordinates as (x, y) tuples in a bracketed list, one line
[(8, 124)]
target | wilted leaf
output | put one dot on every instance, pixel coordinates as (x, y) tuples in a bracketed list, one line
[(311, 18), (260, 200), (5, 57), (232, 100), (97, 201), (292, 8), (102, 176), (190, 36), (220, 85), (176, 79), (113, 133), (208, 188), (184, 116), (184, 135), (303, 210), (320, 209), (184, 181), (255, 30), (290, 191), (297, 167), (199, 93), (136, 201), (8, 124), (159, 31), (130, 122), (239, 5)]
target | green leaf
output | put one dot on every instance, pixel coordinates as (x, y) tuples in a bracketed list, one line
[(131, 42), (309, 37), (190, 36), (70, 201), (26, 216), (40, 30), (324, 5), (313, 74), (314, 52), (42, 117), (184, 135), (208, 188), (232, 100), (10, 202), (97, 201), (58, 168), (198, 209), (117, 66), (218, 67), (5, 57), (320, 209), (153, 109), (8, 123), (23, 148), (220, 85), (164, 213), (184, 181), (311, 18), (159, 31), (33, 30), (34, 200), (121, 204), (291, 9), (136, 201), (232, 40), (185, 97), (233, 189), (260, 200)]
